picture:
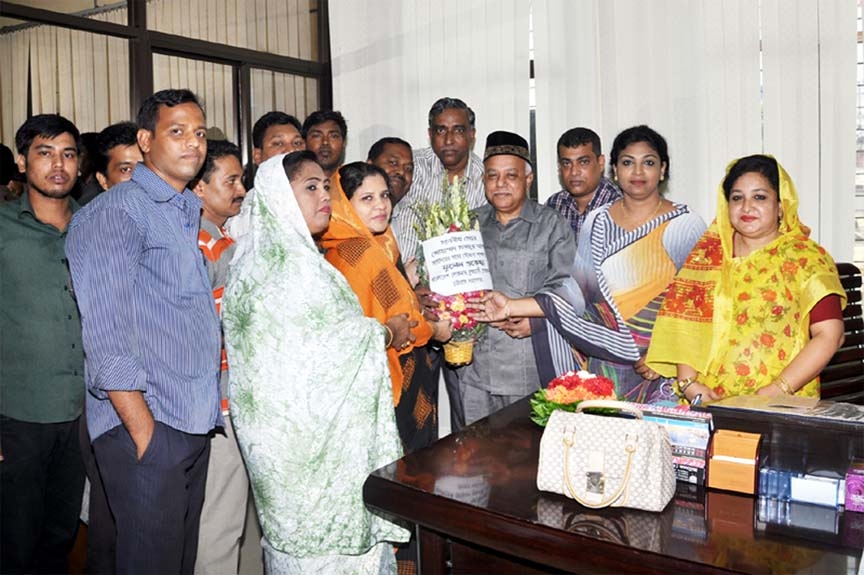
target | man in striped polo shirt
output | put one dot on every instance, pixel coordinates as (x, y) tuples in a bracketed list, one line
[(219, 185)]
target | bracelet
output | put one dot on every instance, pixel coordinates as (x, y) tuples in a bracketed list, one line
[(389, 341), (784, 385), (683, 384)]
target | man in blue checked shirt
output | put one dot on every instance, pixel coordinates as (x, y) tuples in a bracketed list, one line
[(152, 341), (580, 169)]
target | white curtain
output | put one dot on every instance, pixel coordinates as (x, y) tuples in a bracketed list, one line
[(210, 82), (85, 76), (14, 59), (392, 59), (82, 76), (294, 95), (115, 80), (691, 70), (810, 110), (283, 27)]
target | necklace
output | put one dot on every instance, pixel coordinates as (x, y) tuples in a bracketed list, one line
[(648, 219)]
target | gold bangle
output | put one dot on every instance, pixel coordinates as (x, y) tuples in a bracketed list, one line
[(389, 341), (784, 385)]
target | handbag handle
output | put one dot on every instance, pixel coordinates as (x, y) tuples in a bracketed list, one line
[(610, 404), (568, 443)]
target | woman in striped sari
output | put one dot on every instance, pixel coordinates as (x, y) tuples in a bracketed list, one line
[(627, 254)]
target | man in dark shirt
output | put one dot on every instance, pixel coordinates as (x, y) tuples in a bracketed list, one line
[(274, 133), (326, 134), (394, 156), (41, 357), (152, 340), (114, 158)]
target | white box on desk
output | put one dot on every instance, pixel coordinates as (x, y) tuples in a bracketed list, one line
[(826, 491)]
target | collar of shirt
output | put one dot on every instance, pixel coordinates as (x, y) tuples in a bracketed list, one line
[(212, 229), (25, 207), (605, 193), (427, 156), (530, 209), (159, 190)]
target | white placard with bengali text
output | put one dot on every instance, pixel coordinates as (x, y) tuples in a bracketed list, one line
[(456, 263)]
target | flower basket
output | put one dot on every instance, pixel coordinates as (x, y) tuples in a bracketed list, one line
[(458, 353), (567, 391), (451, 216)]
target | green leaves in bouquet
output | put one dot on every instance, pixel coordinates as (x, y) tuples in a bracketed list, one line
[(451, 214), (542, 408)]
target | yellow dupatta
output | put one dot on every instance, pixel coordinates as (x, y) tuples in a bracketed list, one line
[(740, 320)]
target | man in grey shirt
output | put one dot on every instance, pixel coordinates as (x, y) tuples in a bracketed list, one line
[(529, 247)]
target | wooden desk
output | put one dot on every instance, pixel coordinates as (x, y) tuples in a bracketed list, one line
[(474, 500)]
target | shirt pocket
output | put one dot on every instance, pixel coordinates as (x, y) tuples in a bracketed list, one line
[(174, 272), (525, 271)]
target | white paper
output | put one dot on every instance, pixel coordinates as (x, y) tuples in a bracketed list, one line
[(456, 263)]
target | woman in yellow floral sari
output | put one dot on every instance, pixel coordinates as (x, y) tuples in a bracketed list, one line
[(757, 307)]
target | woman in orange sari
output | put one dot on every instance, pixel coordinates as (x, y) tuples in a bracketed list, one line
[(360, 244)]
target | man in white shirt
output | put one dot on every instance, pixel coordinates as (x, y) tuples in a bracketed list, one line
[(451, 135)]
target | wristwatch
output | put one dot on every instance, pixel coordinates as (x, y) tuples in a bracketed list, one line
[(681, 386)]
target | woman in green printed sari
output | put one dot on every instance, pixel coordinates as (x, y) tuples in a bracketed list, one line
[(310, 389)]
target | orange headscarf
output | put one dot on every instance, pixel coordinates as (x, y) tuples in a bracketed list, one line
[(369, 264)]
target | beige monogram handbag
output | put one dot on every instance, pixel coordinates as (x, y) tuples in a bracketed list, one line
[(607, 461)]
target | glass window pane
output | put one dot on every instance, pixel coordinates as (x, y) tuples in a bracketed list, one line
[(82, 76), (295, 95), (212, 83), (284, 27)]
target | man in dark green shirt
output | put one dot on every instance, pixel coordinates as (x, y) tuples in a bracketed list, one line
[(41, 357)]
